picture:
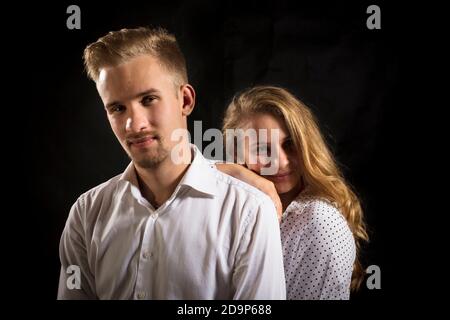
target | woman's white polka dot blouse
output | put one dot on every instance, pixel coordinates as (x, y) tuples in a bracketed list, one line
[(319, 250)]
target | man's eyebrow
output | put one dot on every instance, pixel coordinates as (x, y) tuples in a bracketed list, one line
[(109, 105), (147, 92), (141, 94)]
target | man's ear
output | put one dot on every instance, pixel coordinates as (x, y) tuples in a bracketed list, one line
[(188, 99)]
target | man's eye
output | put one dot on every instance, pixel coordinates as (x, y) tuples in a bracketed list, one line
[(117, 108), (147, 100)]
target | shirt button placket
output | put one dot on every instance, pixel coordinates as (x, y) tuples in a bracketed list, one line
[(142, 275)]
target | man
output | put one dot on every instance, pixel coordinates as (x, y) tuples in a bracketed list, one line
[(171, 226)]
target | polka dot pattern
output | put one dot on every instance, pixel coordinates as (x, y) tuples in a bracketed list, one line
[(319, 250)]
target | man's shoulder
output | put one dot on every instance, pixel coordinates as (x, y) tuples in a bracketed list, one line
[(229, 184), (87, 206), (100, 191), (245, 200)]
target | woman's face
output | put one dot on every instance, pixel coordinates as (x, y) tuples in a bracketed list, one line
[(287, 176)]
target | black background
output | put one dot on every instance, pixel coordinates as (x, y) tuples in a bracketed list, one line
[(322, 52)]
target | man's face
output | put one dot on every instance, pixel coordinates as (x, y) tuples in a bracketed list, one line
[(144, 107)]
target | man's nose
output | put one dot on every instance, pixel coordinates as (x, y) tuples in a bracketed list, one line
[(137, 120)]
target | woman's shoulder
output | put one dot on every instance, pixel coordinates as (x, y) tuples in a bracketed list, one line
[(321, 217), (313, 206)]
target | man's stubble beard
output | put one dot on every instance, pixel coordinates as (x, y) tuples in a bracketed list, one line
[(149, 159)]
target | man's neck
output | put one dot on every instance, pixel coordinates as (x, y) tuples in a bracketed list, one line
[(157, 184)]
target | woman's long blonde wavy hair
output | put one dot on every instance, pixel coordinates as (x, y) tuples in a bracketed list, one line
[(318, 168)]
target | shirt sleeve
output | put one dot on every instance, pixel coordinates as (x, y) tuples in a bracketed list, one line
[(259, 272), (321, 266), (76, 280)]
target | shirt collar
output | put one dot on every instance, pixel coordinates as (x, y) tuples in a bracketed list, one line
[(129, 177), (199, 176), (293, 206)]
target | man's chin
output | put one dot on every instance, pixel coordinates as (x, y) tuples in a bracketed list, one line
[(148, 161)]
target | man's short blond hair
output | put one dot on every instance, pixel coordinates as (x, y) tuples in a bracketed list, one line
[(118, 47)]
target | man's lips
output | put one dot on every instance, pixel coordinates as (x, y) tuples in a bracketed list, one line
[(141, 142)]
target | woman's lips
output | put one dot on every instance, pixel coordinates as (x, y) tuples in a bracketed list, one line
[(279, 177)]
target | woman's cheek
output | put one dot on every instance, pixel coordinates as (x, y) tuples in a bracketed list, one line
[(254, 167)]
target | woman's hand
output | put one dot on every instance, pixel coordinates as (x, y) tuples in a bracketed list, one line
[(248, 176)]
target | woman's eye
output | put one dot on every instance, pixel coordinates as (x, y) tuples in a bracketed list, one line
[(264, 151), (288, 145), (261, 150)]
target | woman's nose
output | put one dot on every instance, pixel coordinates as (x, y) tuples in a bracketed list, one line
[(283, 160), (277, 158)]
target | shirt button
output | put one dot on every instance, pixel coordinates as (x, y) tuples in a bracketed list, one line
[(141, 295), (146, 255), (154, 215)]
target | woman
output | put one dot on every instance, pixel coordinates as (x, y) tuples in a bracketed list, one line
[(322, 224)]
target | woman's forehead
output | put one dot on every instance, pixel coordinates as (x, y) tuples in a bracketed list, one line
[(262, 123)]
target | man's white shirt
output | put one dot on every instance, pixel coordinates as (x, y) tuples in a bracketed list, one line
[(215, 238)]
